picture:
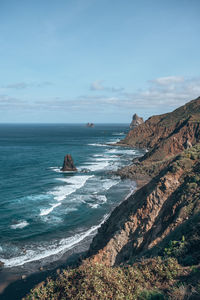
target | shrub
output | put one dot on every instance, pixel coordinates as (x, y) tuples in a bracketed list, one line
[(150, 295), (175, 248)]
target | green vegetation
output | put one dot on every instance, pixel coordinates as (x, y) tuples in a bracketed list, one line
[(143, 280), (175, 248)]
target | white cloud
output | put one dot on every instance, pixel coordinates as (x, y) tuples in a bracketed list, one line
[(157, 98), (97, 85), (17, 85), (168, 80), (24, 85)]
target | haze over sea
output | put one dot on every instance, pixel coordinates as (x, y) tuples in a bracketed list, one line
[(46, 212)]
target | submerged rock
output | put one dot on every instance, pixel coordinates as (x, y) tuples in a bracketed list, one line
[(136, 121), (1, 264), (68, 164)]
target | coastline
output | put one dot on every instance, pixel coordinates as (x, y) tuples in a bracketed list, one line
[(22, 282), (13, 280), (71, 258)]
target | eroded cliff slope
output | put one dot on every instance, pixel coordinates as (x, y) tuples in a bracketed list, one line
[(168, 134), (149, 215), (155, 210)]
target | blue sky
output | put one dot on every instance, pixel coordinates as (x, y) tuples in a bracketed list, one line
[(70, 61)]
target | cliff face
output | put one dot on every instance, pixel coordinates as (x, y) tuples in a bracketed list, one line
[(148, 216), (168, 134), (169, 197)]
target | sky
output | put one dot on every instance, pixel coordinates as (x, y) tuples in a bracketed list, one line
[(101, 61)]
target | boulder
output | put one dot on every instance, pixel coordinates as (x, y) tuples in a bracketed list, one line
[(136, 121), (68, 164)]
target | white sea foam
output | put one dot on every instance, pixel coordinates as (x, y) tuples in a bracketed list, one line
[(112, 151), (113, 142), (106, 158), (102, 198), (130, 192), (58, 170), (56, 248), (118, 133), (107, 184), (46, 211), (122, 151), (97, 200), (73, 184), (93, 205), (19, 225), (94, 166), (97, 145)]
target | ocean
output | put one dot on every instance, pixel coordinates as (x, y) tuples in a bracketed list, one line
[(44, 213)]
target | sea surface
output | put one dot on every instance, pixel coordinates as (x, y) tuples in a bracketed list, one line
[(45, 212)]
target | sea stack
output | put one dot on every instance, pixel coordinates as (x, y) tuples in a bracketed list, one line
[(91, 125), (136, 121), (68, 164)]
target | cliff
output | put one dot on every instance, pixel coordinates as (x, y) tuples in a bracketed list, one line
[(149, 215), (168, 134), (149, 246)]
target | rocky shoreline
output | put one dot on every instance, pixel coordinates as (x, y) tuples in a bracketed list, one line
[(152, 238), (22, 282)]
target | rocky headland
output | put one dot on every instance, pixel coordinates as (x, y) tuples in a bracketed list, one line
[(136, 121), (149, 248)]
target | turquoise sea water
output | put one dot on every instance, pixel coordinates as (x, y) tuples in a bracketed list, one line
[(45, 212)]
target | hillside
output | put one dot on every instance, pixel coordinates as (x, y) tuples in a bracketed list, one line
[(149, 246), (148, 216), (168, 134)]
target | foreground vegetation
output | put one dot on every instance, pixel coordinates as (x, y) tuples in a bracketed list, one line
[(155, 278)]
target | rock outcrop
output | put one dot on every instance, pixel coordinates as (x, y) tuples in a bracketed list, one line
[(136, 121), (91, 125), (168, 134), (68, 164)]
